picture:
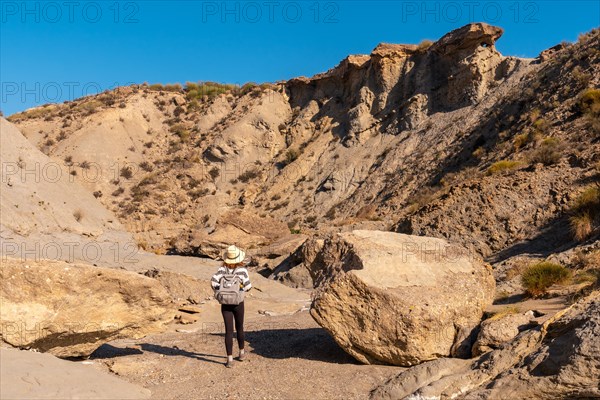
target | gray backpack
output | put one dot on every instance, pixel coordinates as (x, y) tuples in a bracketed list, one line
[(229, 289)]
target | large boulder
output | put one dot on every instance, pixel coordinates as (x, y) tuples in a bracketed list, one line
[(398, 299), (70, 310)]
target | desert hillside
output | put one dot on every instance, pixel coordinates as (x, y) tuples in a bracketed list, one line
[(473, 176), (390, 140)]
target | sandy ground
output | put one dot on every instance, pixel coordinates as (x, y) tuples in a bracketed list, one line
[(29, 375), (290, 357)]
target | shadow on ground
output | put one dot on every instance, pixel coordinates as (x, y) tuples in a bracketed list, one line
[(108, 351), (310, 344)]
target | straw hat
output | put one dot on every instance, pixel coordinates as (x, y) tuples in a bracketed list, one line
[(233, 255)]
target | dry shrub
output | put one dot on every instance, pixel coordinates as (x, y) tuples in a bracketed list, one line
[(585, 213), (539, 277)]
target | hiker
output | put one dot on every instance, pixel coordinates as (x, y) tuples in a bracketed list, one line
[(230, 283)]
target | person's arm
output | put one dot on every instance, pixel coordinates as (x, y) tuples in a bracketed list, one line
[(216, 278), (246, 285)]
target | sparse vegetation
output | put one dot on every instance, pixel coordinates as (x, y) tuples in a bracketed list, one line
[(539, 277), (208, 89), (478, 152), (589, 104), (502, 166), (581, 76), (424, 46), (146, 166), (85, 165), (214, 172), (419, 199), (585, 213), (247, 175), (508, 310), (126, 172), (38, 112), (541, 126), (548, 153), (291, 155), (88, 107), (521, 140)]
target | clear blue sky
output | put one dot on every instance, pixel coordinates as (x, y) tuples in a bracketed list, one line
[(59, 50)]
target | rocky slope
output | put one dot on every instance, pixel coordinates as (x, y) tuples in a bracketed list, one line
[(47, 215), (396, 138)]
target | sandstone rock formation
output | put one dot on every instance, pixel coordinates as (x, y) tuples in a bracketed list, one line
[(560, 359), (391, 298), (69, 310)]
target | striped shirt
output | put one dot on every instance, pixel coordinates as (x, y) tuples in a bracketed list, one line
[(239, 271)]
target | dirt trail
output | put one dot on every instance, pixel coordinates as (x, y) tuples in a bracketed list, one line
[(289, 357)]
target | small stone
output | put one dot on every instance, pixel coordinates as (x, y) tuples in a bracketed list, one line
[(190, 309)]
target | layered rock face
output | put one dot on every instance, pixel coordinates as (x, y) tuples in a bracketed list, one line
[(70, 310), (399, 299), (406, 83)]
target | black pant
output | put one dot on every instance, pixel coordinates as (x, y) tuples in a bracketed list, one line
[(231, 312)]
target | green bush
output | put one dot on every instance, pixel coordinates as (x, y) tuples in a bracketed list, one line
[(502, 166), (539, 277)]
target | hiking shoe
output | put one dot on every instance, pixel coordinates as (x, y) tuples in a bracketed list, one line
[(229, 364), (242, 357)]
